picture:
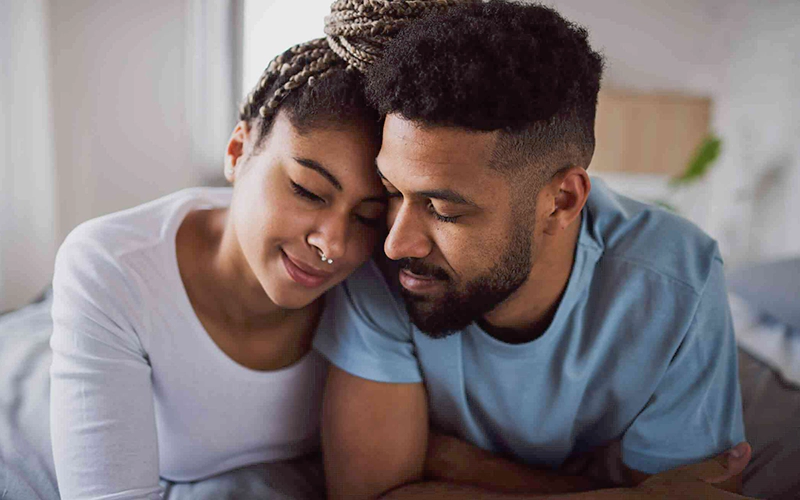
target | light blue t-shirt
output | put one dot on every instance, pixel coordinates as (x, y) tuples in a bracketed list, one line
[(641, 349)]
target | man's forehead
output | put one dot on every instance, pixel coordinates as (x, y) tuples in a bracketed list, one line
[(435, 145)]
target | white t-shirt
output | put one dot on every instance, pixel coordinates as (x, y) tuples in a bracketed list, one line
[(139, 389)]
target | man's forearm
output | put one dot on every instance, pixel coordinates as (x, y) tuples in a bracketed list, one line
[(451, 460), (679, 490), (453, 466)]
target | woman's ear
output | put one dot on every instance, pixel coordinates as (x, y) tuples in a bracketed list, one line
[(570, 191), (236, 149)]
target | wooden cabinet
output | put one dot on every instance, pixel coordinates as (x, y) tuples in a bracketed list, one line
[(648, 133)]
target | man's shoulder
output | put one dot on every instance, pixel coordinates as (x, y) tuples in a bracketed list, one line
[(365, 330), (649, 239)]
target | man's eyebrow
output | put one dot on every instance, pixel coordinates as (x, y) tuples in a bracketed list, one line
[(447, 195), (441, 194), (313, 165)]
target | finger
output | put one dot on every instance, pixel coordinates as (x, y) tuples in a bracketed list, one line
[(737, 458), (734, 461), (711, 470), (722, 467)]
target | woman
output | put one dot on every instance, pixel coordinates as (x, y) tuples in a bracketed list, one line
[(182, 327)]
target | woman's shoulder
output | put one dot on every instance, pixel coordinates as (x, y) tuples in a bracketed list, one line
[(113, 255), (112, 238)]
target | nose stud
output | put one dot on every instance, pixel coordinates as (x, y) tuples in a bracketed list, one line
[(323, 258)]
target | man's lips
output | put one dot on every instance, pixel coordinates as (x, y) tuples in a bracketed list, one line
[(418, 283), (303, 273)]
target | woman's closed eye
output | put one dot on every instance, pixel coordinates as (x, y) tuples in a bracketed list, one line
[(305, 193), (370, 222), (371, 214)]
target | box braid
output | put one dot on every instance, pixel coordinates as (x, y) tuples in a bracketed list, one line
[(356, 30)]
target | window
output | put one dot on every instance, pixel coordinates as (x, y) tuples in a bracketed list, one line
[(272, 26)]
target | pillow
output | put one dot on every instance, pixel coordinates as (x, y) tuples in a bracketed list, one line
[(772, 288)]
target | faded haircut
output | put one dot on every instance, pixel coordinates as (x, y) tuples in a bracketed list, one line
[(519, 69)]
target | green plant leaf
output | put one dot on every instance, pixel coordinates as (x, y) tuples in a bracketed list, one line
[(704, 157)]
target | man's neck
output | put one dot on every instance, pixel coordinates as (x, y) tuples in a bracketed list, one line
[(527, 314)]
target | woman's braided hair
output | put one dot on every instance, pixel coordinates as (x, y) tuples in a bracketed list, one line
[(357, 31)]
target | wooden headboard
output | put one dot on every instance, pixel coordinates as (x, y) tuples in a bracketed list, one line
[(648, 133)]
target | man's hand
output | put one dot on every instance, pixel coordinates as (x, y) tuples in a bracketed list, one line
[(723, 471), (453, 460)]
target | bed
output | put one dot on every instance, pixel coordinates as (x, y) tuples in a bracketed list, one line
[(763, 302)]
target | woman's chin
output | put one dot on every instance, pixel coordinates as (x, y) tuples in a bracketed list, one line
[(290, 297)]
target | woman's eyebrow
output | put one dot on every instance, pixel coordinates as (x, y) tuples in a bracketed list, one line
[(324, 172)]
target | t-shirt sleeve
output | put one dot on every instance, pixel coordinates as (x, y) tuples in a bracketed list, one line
[(365, 332), (102, 416), (696, 410)]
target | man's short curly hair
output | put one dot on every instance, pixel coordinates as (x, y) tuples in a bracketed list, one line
[(520, 69)]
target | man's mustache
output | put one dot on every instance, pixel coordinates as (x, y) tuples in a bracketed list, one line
[(421, 268)]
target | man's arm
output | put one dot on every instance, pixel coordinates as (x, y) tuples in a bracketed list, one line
[(374, 435), (452, 460), (375, 439), (375, 442), (694, 481)]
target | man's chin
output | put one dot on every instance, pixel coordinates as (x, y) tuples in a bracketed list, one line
[(433, 317)]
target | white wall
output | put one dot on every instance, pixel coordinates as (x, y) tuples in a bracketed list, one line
[(653, 45), (744, 55), (120, 120), (27, 182), (755, 190), (105, 105), (144, 100)]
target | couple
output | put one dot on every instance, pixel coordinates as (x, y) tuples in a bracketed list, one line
[(514, 321)]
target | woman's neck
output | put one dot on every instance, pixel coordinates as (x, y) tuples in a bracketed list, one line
[(218, 278)]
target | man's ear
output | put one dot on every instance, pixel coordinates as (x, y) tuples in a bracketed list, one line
[(569, 191), (235, 151)]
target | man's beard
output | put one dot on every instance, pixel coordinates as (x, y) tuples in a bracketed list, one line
[(459, 306)]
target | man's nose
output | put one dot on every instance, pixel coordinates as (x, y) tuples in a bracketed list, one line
[(407, 235)]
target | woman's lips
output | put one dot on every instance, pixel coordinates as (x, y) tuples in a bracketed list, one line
[(418, 284), (302, 273)]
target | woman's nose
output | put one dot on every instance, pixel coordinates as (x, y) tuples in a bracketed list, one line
[(330, 236)]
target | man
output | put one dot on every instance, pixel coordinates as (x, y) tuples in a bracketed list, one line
[(544, 316)]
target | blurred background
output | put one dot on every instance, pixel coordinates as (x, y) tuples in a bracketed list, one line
[(105, 105)]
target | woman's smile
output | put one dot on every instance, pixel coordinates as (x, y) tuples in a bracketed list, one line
[(303, 273)]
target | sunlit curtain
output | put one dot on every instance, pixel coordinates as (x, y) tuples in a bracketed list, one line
[(65, 153), (27, 174)]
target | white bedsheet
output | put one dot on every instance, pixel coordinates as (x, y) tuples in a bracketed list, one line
[(770, 341)]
